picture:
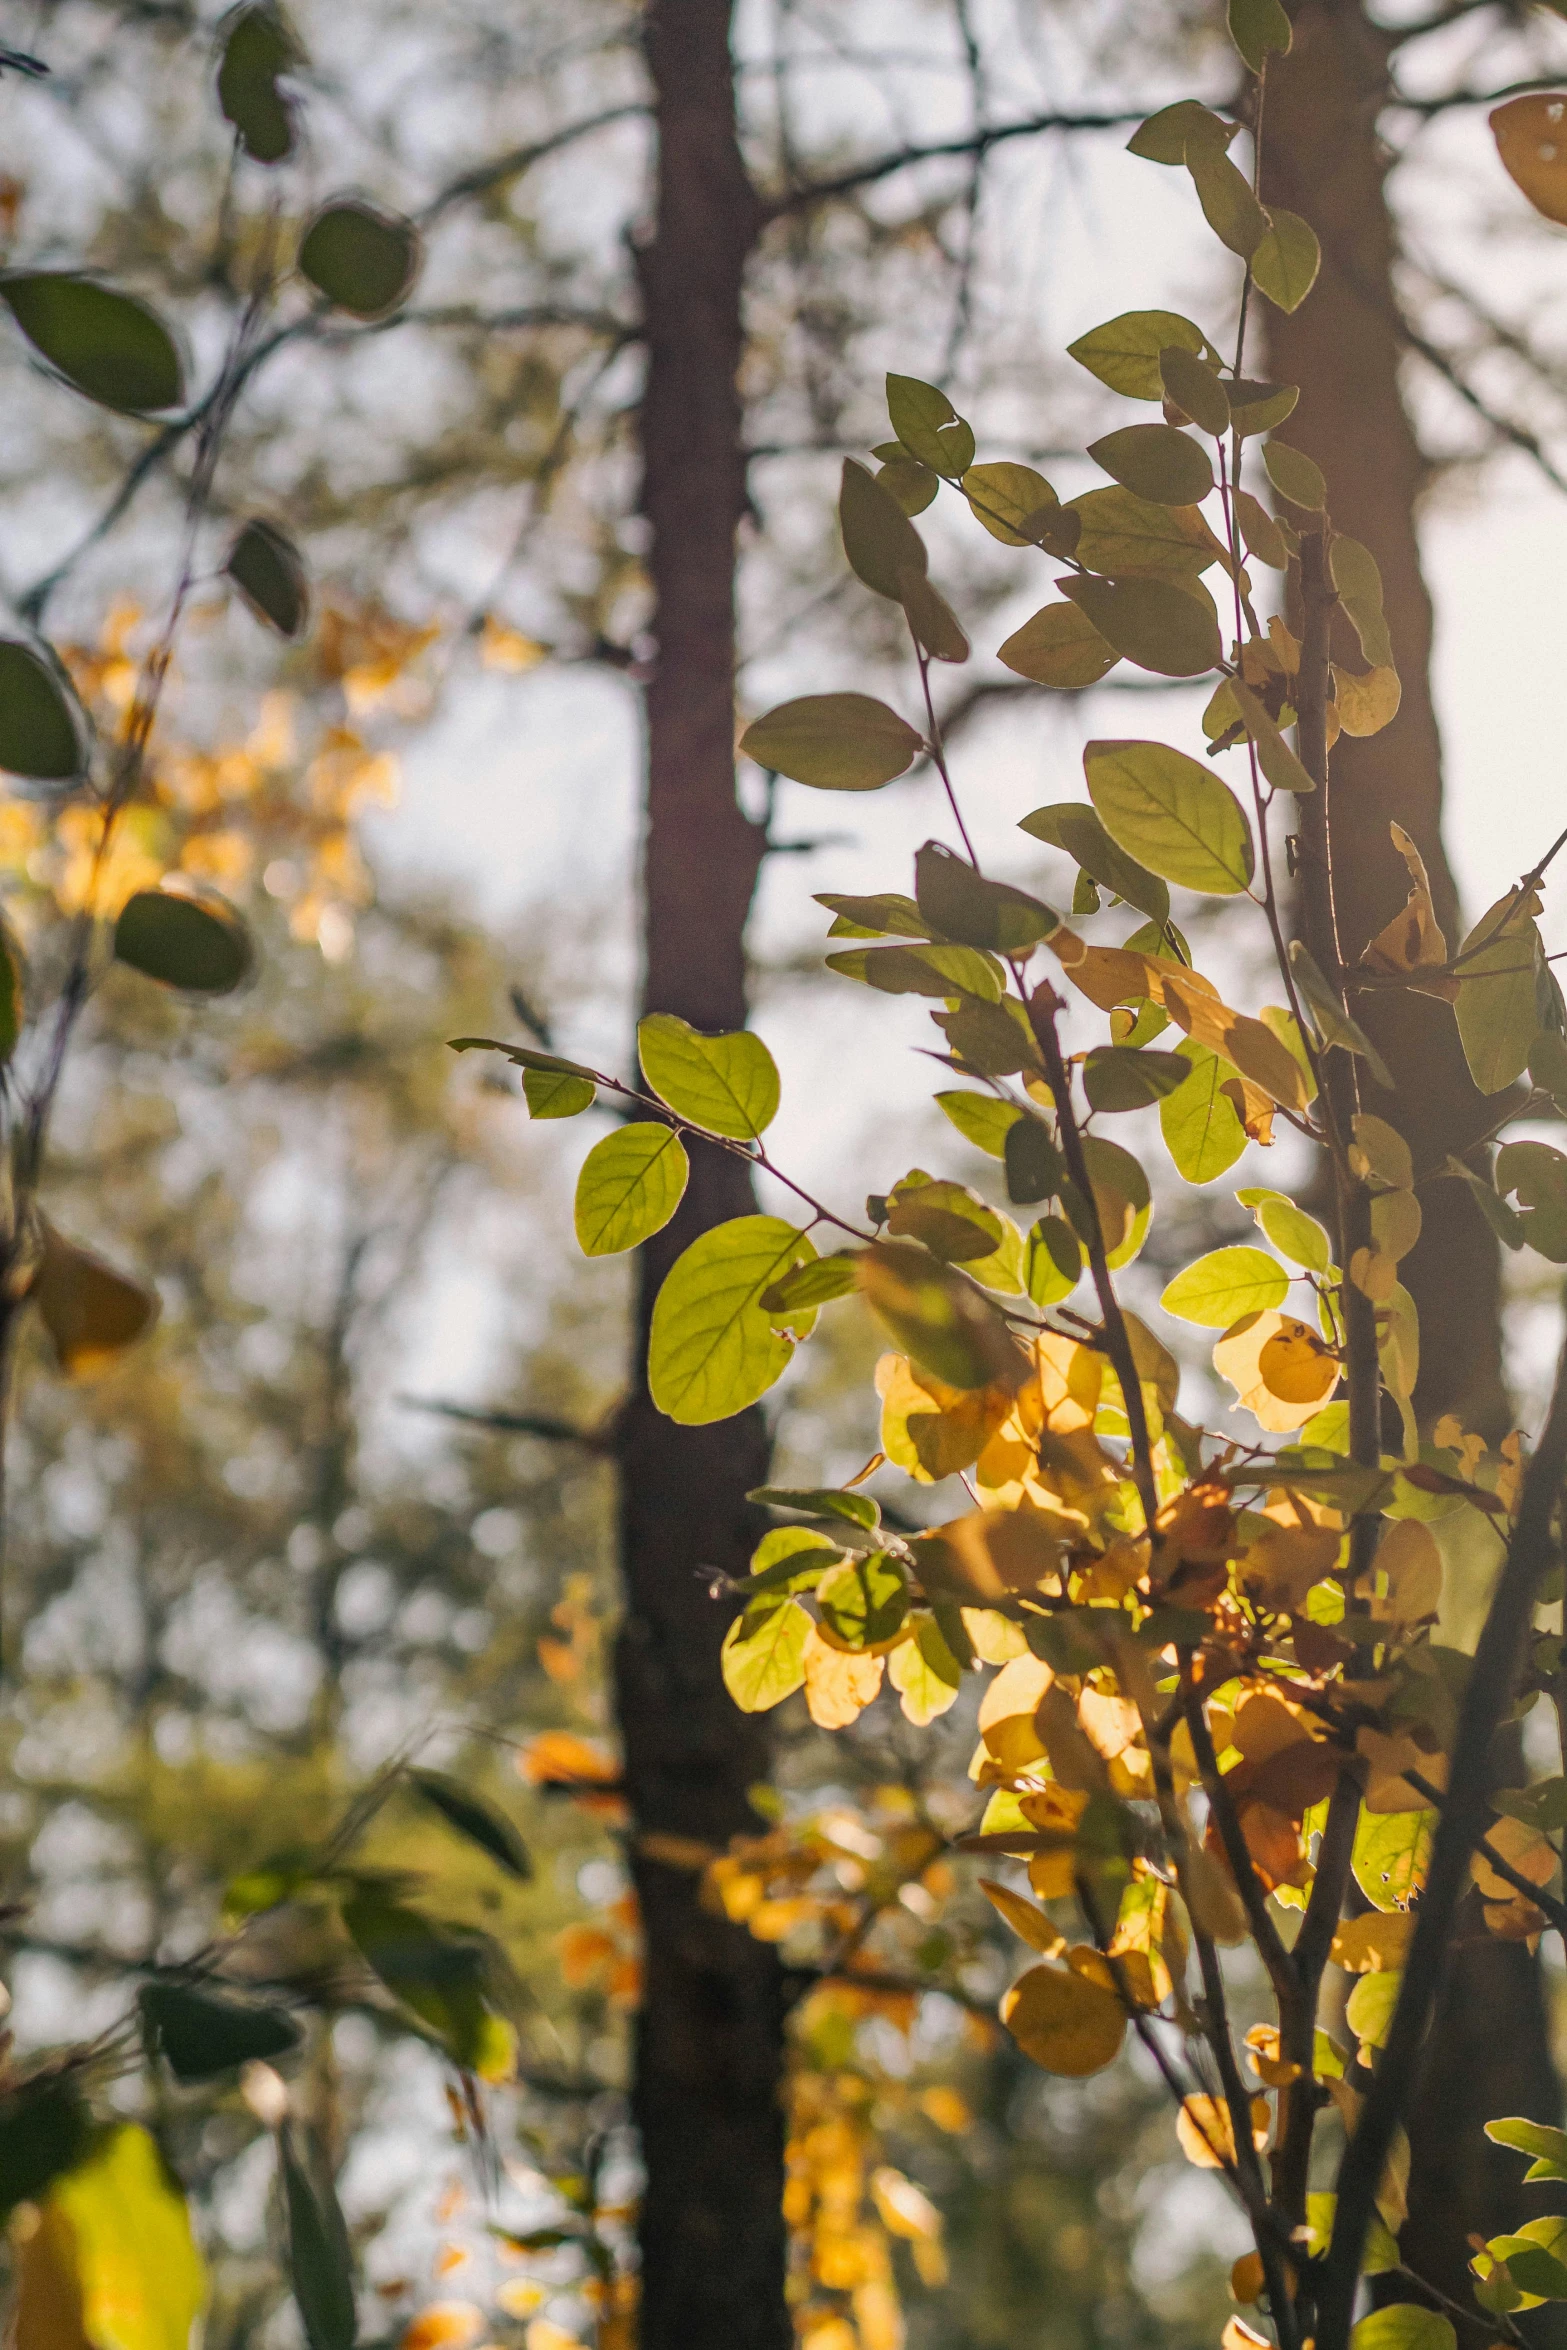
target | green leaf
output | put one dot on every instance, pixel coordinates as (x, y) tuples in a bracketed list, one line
[(1201, 1126), (929, 971), (43, 734), (1053, 1262), (45, 2128), (724, 1084), (1359, 585), (1124, 536), (1538, 1174), (362, 259), (1220, 1288), (1530, 2264), (962, 905), (525, 1056), (201, 2033), (1548, 1065), (1156, 462), (889, 914), (1277, 760), (1192, 385), (1294, 476), (1497, 1008), (1035, 1168), (992, 1039), (1369, 2010), (815, 1284), (438, 1976), (912, 485), (1333, 1024), (1258, 27), (1293, 1233), (864, 1601), (1172, 814), (1122, 1196), (856, 1509), (763, 1657), (982, 1119), (141, 2280), (1170, 630), (1059, 647), (1124, 352), (928, 426), (1004, 497), (553, 1093), (265, 566), (1116, 1077), (713, 1350), (108, 345), (1229, 205), (1068, 825), (883, 546), (834, 742), (474, 1817), (1547, 2145), (938, 1318), (1259, 407), (953, 1222), (200, 946), (1286, 262), (1392, 1849), (1175, 131), (321, 2262), (257, 49), (933, 622), (790, 1558), (1403, 2325)]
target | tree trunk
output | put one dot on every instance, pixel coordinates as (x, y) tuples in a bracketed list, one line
[(1322, 157), (710, 2034)]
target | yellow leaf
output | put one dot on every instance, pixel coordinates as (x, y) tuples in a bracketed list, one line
[(444, 2325), (91, 1312), (1246, 2278), (838, 1685), (1413, 940), (1531, 139), (1207, 2135), (1530, 1853), (1409, 1564), (1031, 1925), (1280, 1369), (1130, 1977), (1066, 2024), (1281, 1567), (903, 2209), (1366, 704), (1377, 1943), (117, 2266), (930, 1430)]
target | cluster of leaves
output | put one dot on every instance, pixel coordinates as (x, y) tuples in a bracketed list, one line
[(1217, 1694)]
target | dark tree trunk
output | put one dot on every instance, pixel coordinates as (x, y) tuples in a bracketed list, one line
[(1323, 158), (710, 2033)]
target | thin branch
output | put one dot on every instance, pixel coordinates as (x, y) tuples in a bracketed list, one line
[(508, 1423), (485, 176), (979, 142)]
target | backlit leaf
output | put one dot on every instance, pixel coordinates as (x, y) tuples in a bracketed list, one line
[(1068, 825), (91, 1312), (1403, 2325), (1172, 814), (1286, 261), (1531, 139), (764, 1654), (1125, 536), (555, 1093), (258, 47), (1229, 205), (1333, 1024), (109, 345), (1175, 131), (1219, 1288), (117, 2226), (198, 945), (1194, 387), (1391, 1855), (1066, 2023), (266, 567), (834, 742), (938, 1318), (321, 2264), (1003, 497), (724, 1084), (1497, 1008), (883, 546), (1121, 1195), (474, 1817), (1201, 1127), (963, 906), (1277, 759), (1053, 1261), (936, 970), (201, 2032), (933, 622), (1547, 2146), (43, 734), (982, 1119), (1170, 630), (712, 1349), (1294, 476), (436, 1974), (1293, 1233), (362, 259), (1359, 585), (928, 425), (864, 1602), (1258, 27), (1124, 352), (1156, 462), (856, 1509), (1059, 647), (1035, 1168), (1117, 1078)]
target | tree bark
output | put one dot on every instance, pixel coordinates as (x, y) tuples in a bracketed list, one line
[(1322, 157), (709, 2038)]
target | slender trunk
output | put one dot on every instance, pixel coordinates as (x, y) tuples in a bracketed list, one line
[(1323, 158), (710, 2033)]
